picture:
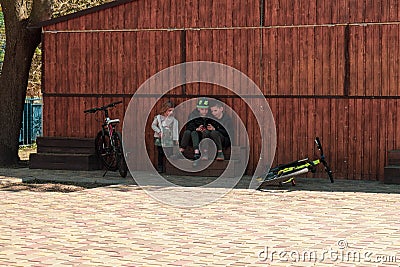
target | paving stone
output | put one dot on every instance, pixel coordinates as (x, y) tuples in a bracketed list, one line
[(119, 224)]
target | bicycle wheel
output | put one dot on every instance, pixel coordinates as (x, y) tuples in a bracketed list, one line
[(275, 180), (105, 151), (122, 167), (328, 170)]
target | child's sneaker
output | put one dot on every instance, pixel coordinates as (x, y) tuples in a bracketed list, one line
[(220, 156), (160, 169), (196, 156)]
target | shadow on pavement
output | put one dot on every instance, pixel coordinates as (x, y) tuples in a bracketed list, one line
[(302, 184), (91, 179), (324, 185)]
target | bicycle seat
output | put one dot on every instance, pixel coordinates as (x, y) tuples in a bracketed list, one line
[(114, 121)]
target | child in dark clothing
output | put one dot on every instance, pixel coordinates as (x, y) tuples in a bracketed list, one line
[(196, 127), (219, 128)]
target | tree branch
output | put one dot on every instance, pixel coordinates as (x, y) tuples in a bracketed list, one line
[(41, 10), (9, 11)]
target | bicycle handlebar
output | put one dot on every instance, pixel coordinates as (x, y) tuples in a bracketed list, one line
[(94, 110), (319, 146), (322, 159)]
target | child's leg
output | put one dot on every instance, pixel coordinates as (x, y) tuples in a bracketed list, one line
[(217, 138), (185, 140), (160, 162), (196, 142)]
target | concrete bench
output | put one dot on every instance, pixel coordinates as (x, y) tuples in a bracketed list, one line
[(392, 171), (232, 154)]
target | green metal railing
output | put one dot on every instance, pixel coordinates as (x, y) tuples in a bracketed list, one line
[(31, 121), (2, 40)]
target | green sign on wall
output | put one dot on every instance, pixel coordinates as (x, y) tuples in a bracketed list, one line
[(2, 39)]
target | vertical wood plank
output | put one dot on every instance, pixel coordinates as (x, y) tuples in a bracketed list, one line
[(253, 54), (339, 10), (285, 17), (296, 132), (374, 11), (296, 89), (91, 67), (192, 54), (64, 60), (312, 119), (81, 52), (270, 62), (304, 70), (97, 59), (374, 137), (356, 11), (333, 146), (326, 64), (359, 142), (118, 62), (319, 61), (394, 10), (50, 66), (393, 59), (297, 16), (382, 156), (352, 138), (385, 62), (340, 57), (372, 62), (274, 12), (102, 61), (357, 62), (193, 14), (111, 64), (282, 84), (310, 61), (154, 55), (312, 13)]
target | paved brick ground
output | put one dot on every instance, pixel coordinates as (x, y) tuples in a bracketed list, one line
[(349, 223)]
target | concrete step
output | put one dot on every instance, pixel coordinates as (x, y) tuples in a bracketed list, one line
[(57, 161), (65, 145), (233, 152), (391, 174), (215, 169)]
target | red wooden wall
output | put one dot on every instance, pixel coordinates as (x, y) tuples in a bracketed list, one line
[(327, 68)]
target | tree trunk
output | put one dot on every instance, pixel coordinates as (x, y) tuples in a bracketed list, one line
[(20, 47)]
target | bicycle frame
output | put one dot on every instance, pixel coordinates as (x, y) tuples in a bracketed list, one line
[(285, 173), (109, 124), (108, 142)]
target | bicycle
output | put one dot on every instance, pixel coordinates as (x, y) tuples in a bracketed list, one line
[(285, 173), (108, 142)]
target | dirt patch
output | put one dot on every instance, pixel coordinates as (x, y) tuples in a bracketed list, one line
[(15, 185), (48, 187), (37, 186), (24, 152)]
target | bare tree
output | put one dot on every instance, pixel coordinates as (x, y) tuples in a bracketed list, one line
[(21, 43)]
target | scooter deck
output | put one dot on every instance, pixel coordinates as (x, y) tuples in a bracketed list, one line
[(282, 179)]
